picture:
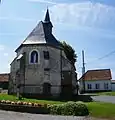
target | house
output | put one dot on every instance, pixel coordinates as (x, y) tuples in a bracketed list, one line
[(96, 80), (113, 85), (41, 67), (4, 77)]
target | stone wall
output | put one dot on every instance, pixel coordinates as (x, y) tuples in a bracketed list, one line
[(35, 75), (12, 77)]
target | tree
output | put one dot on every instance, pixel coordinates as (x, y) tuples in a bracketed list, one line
[(71, 56), (69, 52)]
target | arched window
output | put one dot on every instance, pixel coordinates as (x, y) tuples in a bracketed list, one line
[(34, 57)]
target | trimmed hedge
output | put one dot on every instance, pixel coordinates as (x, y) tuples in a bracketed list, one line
[(69, 108)]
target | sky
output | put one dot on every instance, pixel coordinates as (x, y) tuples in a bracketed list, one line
[(87, 25)]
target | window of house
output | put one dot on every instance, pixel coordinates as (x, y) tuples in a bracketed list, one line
[(34, 57), (46, 55), (89, 86), (106, 86), (97, 86)]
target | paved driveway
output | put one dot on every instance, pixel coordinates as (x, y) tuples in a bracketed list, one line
[(110, 99), (8, 115)]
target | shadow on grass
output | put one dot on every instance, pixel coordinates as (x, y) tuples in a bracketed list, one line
[(83, 98)]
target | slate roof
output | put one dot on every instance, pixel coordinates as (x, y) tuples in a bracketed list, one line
[(100, 74), (4, 77), (42, 34)]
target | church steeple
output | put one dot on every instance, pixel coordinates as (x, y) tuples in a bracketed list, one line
[(47, 16), (42, 34)]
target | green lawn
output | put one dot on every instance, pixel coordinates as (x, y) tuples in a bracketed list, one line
[(102, 110), (14, 98), (96, 109), (106, 93)]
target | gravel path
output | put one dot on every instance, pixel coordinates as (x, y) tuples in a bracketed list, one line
[(8, 115)]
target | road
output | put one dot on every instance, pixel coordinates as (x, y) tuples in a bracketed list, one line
[(102, 98)]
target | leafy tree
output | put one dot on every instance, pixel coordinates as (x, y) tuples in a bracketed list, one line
[(70, 52), (71, 56)]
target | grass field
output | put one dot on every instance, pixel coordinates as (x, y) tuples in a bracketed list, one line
[(14, 98), (96, 109), (102, 110)]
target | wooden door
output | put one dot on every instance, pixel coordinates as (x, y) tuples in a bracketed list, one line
[(46, 89)]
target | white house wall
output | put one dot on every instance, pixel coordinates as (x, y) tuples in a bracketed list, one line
[(113, 86), (100, 82)]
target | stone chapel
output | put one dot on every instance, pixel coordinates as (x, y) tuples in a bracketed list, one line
[(41, 66)]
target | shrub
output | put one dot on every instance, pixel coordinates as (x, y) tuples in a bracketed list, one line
[(69, 108), (82, 109), (53, 109)]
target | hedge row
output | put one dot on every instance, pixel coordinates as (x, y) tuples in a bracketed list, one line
[(69, 108)]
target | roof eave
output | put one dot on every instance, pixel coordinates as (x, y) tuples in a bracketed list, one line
[(19, 48)]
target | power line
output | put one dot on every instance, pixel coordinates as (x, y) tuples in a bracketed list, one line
[(105, 56)]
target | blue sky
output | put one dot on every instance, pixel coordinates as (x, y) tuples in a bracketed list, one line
[(87, 25)]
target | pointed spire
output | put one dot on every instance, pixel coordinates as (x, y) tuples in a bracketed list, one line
[(47, 17)]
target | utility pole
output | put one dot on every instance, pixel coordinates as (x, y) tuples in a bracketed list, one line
[(83, 71), (83, 68)]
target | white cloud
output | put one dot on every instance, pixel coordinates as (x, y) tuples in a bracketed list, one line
[(6, 57), (6, 54), (17, 19), (8, 34), (43, 1), (84, 14), (2, 47)]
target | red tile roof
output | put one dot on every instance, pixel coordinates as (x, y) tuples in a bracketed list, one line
[(101, 74), (4, 77)]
